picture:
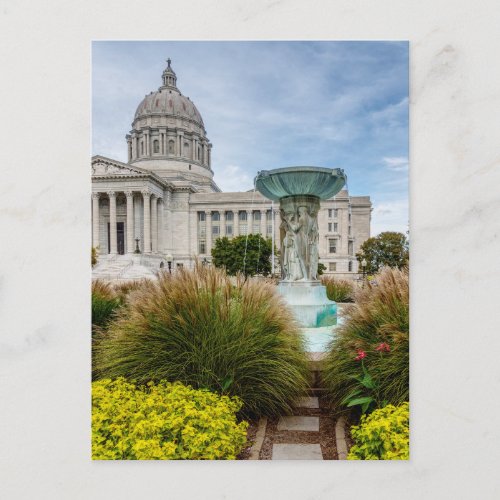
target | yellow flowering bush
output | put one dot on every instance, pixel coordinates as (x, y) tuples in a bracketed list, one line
[(163, 421), (383, 435)]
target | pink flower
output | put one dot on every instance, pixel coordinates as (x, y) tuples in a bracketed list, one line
[(361, 355), (383, 347)]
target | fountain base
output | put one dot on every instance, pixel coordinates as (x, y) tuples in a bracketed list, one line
[(309, 303)]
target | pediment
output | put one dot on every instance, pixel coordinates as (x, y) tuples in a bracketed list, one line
[(102, 166)]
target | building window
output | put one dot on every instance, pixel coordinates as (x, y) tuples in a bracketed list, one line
[(256, 216), (349, 218), (156, 146), (215, 216), (229, 229), (350, 266), (201, 216), (171, 146), (142, 148), (243, 215), (186, 149), (332, 266), (243, 229), (269, 215), (336, 227), (335, 212), (349, 230), (269, 229), (330, 213), (350, 248), (329, 227), (215, 231), (332, 244), (199, 153), (229, 216), (202, 246)]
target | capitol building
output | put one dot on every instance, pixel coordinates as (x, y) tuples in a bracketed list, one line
[(163, 205)]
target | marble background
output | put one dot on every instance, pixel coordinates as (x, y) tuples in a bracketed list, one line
[(45, 241)]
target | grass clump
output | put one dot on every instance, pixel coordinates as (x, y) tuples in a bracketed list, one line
[(338, 290), (197, 328), (374, 340), (163, 422), (105, 303)]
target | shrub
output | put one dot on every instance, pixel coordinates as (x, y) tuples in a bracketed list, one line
[(164, 421), (104, 304), (197, 328), (382, 435), (379, 318), (338, 290)]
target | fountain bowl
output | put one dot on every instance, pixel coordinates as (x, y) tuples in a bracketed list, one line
[(291, 181)]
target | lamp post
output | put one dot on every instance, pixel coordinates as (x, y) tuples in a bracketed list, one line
[(169, 259), (137, 246), (204, 261), (363, 265)]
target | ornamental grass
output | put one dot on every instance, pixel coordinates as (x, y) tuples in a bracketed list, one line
[(105, 303), (198, 328), (338, 290), (375, 340)]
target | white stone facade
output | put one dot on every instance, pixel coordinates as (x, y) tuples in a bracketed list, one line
[(164, 200)]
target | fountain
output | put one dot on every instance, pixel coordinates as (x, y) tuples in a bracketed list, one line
[(299, 191)]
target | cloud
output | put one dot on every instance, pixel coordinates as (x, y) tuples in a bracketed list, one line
[(389, 216), (232, 178), (396, 163)]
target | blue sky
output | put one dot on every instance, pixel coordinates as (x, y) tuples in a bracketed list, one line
[(274, 104)]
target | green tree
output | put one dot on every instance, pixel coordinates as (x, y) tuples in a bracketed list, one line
[(249, 256), (321, 268), (387, 249)]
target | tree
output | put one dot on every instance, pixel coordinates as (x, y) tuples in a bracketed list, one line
[(248, 255), (387, 249)]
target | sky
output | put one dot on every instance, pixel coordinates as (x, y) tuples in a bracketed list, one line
[(274, 104)]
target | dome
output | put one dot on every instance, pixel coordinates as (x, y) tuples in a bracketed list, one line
[(168, 101), (168, 136)]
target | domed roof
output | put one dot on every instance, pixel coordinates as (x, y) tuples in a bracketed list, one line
[(168, 100)]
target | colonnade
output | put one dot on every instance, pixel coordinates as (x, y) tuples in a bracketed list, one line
[(152, 221), (236, 224)]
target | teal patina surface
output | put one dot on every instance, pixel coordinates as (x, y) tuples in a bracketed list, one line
[(289, 181)]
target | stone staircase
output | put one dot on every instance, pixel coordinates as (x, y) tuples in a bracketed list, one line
[(121, 268)]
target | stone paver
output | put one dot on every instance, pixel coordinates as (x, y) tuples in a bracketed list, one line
[(308, 402), (298, 424), (288, 451)]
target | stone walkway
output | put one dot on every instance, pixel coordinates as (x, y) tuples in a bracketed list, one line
[(308, 434)]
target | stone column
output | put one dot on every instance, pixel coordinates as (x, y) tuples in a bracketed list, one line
[(129, 148), (160, 225), (263, 223), (134, 147), (154, 223), (146, 142), (113, 246), (146, 195), (130, 221), (208, 225), (236, 222), (95, 219), (249, 221), (222, 223)]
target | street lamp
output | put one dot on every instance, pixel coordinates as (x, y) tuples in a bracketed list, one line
[(169, 259), (204, 261), (137, 246), (363, 265)]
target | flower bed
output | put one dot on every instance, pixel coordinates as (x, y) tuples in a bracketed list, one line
[(163, 421)]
